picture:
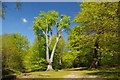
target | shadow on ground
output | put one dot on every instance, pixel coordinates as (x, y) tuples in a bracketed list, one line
[(78, 69), (106, 74)]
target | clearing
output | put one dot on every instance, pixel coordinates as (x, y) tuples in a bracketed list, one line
[(73, 73)]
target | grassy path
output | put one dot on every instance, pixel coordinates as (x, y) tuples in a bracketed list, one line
[(73, 73), (57, 74), (79, 74)]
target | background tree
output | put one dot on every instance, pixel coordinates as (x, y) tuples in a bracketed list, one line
[(80, 46), (14, 48), (35, 58), (45, 23), (100, 25)]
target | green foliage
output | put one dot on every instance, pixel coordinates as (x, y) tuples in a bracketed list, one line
[(35, 58), (65, 22), (98, 23), (94, 39), (80, 46), (14, 48), (50, 19), (44, 19), (67, 59)]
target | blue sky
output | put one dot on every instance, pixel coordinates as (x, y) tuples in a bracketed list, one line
[(21, 21)]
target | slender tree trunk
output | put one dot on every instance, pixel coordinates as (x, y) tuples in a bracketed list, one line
[(54, 48), (94, 63), (99, 59), (60, 60), (47, 49), (47, 43)]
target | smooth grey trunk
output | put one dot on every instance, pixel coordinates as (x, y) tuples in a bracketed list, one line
[(53, 51), (52, 55), (49, 67), (47, 44), (47, 49)]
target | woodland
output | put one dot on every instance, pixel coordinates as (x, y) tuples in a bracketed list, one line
[(92, 46)]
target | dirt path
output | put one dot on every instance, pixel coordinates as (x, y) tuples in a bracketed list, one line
[(73, 74)]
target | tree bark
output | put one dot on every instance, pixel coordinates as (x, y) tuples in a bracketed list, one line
[(94, 63), (47, 44), (54, 48), (49, 67), (52, 55), (53, 51)]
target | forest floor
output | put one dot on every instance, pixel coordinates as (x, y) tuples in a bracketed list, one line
[(80, 73)]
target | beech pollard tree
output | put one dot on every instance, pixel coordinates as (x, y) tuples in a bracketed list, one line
[(45, 22)]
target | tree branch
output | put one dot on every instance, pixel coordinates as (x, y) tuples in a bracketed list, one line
[(50, 37), (58, 29), (42, 29)]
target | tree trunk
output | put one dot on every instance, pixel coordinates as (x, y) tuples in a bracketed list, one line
[(47, 43), (47, 49), (53, 51), (52, 54), (60, 60), (94, 63), (99, 59), (49, 67)]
